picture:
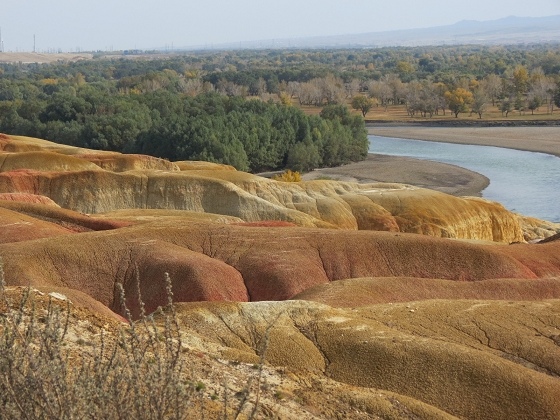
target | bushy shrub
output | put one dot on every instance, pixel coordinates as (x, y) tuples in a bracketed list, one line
[(288, 176)]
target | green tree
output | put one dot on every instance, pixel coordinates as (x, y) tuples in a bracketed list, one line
[(479, 102), (64, 107), (556, 95), (520, 79), (362, 103), (533, 104), (506, 106), (303, 156), (9, 91)]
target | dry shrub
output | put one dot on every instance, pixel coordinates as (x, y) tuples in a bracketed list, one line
[(138, 372), (288, 176)]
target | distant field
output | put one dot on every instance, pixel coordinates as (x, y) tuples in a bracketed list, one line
[(27, 57), (398, 113), (493, 113)]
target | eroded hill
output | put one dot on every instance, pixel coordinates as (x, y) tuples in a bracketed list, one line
[(374, 300)]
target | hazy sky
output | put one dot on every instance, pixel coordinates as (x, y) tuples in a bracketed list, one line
[(70, 25)]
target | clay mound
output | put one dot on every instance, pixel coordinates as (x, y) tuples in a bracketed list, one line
[(16, 227), (79, 301), (122, 163), (28, 198), (195, 277), (95, 268), (179, 216), (16, 144), (266, 223), (535, 230), (68, 219), (551, 238), (103, 191), (7, 144), (313, 204), (143, 182), (43, 161), (297, 395), (199, 165), (543, 259), (433, 213), (368, 291), (470, 359), (274, 264)]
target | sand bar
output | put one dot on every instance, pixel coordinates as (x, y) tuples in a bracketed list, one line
[(442, 177), (439, 176)]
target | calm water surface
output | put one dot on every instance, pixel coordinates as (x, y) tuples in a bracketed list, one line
[(524, 182)]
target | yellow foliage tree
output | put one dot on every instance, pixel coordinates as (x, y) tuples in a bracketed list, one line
[(285, 99), (520, 79), (288, 176), (458, 100), (48, 82)]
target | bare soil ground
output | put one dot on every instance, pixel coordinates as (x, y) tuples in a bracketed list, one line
[(442, 177)]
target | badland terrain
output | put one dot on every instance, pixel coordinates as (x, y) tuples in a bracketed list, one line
[(331, 299)]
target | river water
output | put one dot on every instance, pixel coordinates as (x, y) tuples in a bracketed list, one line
[(524, 182)]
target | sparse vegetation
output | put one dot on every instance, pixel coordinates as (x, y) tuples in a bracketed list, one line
[(46, 372), (135, 373)]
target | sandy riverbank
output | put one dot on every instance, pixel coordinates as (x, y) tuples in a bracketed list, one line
[(438, 176), (545, 139), (442, 177)]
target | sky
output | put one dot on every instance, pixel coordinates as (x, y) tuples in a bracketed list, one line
[(73, 25)]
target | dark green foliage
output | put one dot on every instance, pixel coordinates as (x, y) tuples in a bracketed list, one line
[(166, 107), (146, 113), (252, 135), (557, 95)]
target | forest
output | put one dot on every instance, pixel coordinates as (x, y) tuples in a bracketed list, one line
[(266, 110)]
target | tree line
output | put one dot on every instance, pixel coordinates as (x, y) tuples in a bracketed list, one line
[(151, 114), (235, 106), (522, 90)]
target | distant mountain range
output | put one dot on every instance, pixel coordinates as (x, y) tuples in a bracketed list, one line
[(509, 30)]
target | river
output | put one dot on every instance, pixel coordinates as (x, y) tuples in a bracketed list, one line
[(524, 182)]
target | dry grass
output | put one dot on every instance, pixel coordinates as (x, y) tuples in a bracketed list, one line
[(48, 372), (50, 369), (398, 113)]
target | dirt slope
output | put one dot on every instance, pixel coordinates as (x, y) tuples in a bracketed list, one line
[(219, 262), (463, 357), (366, 291), (99, 182)]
